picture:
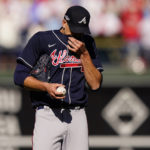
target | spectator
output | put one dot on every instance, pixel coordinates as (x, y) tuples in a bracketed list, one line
[(144, 29), (131, 18), (95, 8)]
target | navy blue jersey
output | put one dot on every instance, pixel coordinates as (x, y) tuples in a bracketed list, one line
[(66, 67)]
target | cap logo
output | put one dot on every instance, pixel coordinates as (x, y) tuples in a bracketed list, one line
[(83, 21), (67, 18)]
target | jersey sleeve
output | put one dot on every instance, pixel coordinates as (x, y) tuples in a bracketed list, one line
[(31, 52), (91, 46), (21, 72)]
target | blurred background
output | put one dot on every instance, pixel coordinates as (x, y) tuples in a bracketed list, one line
[(119, 116)]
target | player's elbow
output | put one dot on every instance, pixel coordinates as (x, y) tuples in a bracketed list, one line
[(18, 80), (95, 87), (20, 74)]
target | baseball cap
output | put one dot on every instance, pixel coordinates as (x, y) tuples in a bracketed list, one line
[(78, 19)]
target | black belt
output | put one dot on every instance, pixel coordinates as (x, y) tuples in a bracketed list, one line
[(62, 107)]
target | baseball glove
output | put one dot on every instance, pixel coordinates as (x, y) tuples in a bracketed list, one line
[(41, 70)]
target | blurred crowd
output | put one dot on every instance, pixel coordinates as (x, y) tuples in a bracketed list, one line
[(130, 19)]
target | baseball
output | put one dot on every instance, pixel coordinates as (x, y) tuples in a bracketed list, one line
[(61, 89)]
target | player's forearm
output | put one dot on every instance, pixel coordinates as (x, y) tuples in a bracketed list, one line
[(51, 88), (92, 75), (34, 84)]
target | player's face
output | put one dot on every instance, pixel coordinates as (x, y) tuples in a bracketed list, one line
[(66, 27)]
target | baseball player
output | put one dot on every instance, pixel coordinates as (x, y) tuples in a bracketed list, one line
[(61, 122)]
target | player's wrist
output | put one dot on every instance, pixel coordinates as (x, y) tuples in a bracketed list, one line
[(45, 86), (84, 53)]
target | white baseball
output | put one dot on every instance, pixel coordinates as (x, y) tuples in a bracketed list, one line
[(61, 89)]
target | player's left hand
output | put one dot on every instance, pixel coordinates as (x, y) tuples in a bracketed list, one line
[(76, 46)]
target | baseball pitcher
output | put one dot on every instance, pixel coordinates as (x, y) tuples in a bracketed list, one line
[(56, 66)]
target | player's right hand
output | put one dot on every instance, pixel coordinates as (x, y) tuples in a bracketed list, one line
[(51, 89)]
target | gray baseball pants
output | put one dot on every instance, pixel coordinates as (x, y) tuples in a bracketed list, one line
[(60, 129)]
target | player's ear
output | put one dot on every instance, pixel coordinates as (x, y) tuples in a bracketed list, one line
[(65, 27)]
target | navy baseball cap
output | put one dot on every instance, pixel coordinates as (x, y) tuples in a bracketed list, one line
[(78, 19)]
